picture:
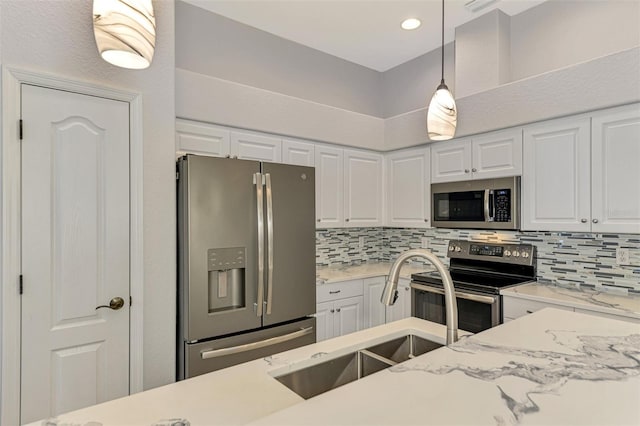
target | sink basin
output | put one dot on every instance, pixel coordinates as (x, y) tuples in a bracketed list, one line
[(325, 376), (404, 348)]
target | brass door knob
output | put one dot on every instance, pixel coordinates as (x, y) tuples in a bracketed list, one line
[(114, 304)]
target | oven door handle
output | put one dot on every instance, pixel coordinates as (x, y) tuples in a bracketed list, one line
[(487, 300)]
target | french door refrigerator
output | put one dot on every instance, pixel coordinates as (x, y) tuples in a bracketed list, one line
[(246, 261)]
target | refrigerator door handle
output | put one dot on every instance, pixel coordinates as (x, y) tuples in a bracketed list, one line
[(269, 243), (216, 353), (257, 180)]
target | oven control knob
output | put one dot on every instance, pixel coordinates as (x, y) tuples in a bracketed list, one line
[(507, 253), (458, 249), (450, 248), (516, 253), (525, 254)]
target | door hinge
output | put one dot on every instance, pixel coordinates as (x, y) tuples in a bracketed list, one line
[(20, 128), (21, 284)]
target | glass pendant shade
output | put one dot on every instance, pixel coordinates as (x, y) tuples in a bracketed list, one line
[(442, 115), (125, 32)]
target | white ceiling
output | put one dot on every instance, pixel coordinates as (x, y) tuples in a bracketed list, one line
[(366, 32)]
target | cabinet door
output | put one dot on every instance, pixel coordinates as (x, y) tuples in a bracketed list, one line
[(497, 154), (249, 146), (409, 188), (324, 321), (374, 310), (298, 153), (347, 316), (451, 161), (615, 170), (329, 187), (556, 176), (402, 308), (363, 191), (201, 138)]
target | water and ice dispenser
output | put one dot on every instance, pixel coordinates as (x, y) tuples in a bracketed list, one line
[(226, 278)]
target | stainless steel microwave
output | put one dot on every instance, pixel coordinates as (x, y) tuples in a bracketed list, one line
[(477, 204)]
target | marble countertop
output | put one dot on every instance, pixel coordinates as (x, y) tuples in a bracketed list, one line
[(331, 274), (550, 367), (599, 301)]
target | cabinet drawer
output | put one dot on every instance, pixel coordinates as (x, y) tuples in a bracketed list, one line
[(515, 308), (334, 291)]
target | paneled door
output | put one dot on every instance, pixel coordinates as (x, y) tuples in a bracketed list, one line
[(75, 251)]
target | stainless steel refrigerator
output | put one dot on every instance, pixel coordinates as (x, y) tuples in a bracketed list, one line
[(246, 261)]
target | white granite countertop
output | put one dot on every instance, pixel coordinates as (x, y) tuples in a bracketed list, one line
[(550, 367), (331, 274), (599, 301)]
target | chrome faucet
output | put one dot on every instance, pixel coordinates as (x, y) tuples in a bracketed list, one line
[(390, 293)]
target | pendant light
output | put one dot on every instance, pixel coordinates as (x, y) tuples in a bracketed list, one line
[(125, 32), (442, 115)]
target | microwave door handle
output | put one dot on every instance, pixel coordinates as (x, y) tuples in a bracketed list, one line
[(257, 180), (488, 206)]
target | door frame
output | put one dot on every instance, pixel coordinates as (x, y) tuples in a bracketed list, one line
[(10, 251)]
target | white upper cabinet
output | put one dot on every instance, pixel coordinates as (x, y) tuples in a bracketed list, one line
[(363, 189), (491, 155), (249, 146), (615, 169), (581, 173), (409, 188), (329, 186), (556, 175), (201, 138), (497, 154), (451, 161), (298, 153)]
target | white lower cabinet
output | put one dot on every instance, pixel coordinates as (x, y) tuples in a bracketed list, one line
[(515, 307), (402, 308), (375, 313), (339, 309), (374, 310)]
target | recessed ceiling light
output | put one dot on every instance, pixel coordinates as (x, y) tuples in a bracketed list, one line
[(410, 24)]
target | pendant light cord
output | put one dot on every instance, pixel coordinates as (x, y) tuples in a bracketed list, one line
[(442, 62)]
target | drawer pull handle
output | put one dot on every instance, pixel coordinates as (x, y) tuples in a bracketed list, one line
[(529, 312), (335, 292)]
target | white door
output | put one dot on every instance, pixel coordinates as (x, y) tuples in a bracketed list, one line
[(615, 153), (75, 251), (247, 146), (497, 154), (363, 192), (329, 187), (298, 153), (451, 161), (409, 188), (324, 321), (556, 176), (201, 138), (348, 315), (374, 310)]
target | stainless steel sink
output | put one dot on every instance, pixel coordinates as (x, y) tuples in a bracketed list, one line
[(325, 376)]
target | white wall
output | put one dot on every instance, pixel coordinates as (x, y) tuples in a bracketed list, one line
[(56, 37), (557, 34), (214, 45)]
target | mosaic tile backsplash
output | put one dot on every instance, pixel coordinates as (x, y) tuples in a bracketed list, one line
[(569, 259)]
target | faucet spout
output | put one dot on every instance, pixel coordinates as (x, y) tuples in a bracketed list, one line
[(390, 293)]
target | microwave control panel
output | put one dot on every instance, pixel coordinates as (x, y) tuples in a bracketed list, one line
[(502, 205)]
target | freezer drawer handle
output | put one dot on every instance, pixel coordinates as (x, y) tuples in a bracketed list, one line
[(256, 345)]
